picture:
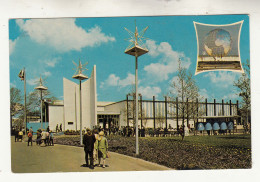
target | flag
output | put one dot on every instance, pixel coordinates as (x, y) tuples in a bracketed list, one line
[(21, 74)]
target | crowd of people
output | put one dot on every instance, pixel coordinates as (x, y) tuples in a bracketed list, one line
[(129, 131), (18, 133), (159, 131), (43, 138)]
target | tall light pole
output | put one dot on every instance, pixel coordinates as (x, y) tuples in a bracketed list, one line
[(136, 49), (79, 76), (41, 88), (76, 109), (22, 75)]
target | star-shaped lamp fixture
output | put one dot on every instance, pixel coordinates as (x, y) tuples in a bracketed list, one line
[(41, 87), (136, 47), (79, 71)]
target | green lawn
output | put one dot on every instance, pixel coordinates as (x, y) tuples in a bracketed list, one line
[(194, 152), (229, 141)]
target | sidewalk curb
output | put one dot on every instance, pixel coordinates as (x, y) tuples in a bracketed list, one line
[(131, 157), (139, 159)]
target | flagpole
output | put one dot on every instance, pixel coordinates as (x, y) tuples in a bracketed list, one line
[(25, 115)]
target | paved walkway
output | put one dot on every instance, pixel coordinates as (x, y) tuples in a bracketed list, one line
[(61, 158)]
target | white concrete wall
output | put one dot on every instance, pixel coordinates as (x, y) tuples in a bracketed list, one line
[(89, 101), (100, 108), (72, 103), (93, 97), (71, 96), (55, 116), (101, 105), (119, 107)]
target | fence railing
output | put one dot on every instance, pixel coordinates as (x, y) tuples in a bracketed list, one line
[(180, 110)]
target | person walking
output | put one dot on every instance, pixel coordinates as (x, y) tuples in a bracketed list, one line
[(51, 138), (43, 135), (102, 148), (47, 138), (30, 135), (57, 128), (88, 141), (20, 135), (39, 137), (16, 132), (31, 130), (95, 152)]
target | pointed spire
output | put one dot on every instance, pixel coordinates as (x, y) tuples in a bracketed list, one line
[(136, 34)]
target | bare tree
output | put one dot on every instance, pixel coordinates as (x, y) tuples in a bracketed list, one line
[(15, 102), (185, 88), (160, 118), (131, 109), (34, 101), (243, 85)]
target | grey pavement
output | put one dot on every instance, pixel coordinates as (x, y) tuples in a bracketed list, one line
[(61, 158)]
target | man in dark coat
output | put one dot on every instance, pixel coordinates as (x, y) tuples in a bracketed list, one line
[(88, 141), (16, 133)]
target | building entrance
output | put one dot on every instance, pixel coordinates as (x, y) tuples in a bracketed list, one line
[(108, 121)]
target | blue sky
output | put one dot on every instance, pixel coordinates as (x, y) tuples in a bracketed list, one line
[(47, 47)]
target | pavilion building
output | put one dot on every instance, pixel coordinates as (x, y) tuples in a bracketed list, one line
[(152, 113)]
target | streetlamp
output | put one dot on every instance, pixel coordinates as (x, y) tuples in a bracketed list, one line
[(79, 76), (136, 49), (41, 88)]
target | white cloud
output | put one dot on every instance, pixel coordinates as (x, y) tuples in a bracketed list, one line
[(167, 63), (32, 81), (172, 89), (149, 92), (12, 44), (47, 73), (52, 62), (231, 96), (63, 34), (204, 93), (222, 79), (102, 85), (12, 84), (153, 48), (129, 80), (174, 79), (114, 80), (159, 71)]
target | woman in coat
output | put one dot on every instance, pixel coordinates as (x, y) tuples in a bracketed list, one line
[(102, 148)]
